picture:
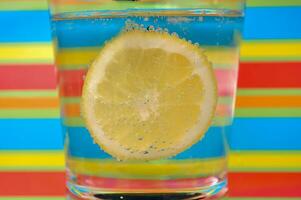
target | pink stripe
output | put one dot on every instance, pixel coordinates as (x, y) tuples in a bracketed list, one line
[(226, 81), (140, 184)]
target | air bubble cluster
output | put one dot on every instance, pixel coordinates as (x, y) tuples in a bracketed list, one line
[(131, 25)]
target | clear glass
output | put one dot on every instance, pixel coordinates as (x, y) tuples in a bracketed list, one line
[(81, 28)]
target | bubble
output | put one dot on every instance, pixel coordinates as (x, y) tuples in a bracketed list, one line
[(179, 19), (174, 34), (159, 30), (150, 28), (136, 26)]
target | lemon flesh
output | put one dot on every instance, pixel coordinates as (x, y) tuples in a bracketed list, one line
[(148, 95)]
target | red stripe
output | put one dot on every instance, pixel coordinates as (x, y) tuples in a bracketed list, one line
[(72, 196), (32, 183), (260, 74), (27, 76), (269, 75), (245, 184), (251, 75), (270, 184), (71, 82)]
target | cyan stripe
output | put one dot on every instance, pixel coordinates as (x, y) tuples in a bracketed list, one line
[(272, 23), (24, 26), (247, 134), (30, 134), (82, 145), (260, 23), (266, 134), (87, 33)]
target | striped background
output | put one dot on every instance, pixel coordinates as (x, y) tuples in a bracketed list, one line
[(266, 136)]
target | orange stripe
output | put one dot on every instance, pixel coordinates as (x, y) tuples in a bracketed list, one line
[(71, 110), (268, 101), (223, 110), (29, 102)]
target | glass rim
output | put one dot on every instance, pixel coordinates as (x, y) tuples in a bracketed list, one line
[(69, 6)]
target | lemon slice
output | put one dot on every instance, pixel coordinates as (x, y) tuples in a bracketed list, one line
[(148, 95)]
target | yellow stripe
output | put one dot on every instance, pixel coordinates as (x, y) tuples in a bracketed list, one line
[(81, 57), (250, 50), (27, 159), (43, 52), (271, 49), (16, 53), (224, 56), (76, 56), (153, 170), (245, 160), (238, 160)]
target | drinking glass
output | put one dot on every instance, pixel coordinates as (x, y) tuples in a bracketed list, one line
[(134, 78)]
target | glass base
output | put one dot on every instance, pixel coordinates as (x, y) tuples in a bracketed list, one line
[(214, 189)]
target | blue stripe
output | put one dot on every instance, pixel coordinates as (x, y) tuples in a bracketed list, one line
[(30, 134), (24, 26), (260, 23), (266, 134), (247, 134), (94, 32), (273, 23), (82, 145)]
